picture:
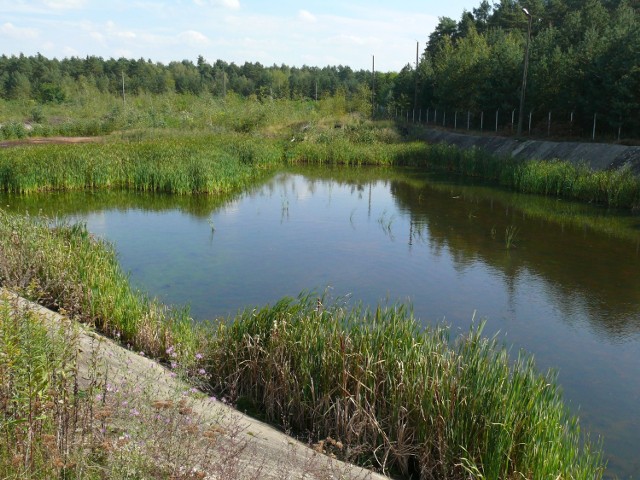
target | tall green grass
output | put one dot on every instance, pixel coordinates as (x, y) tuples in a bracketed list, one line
[(402, 397), (614, 188), (183, 143), (65, 268), (37, 395), (190, 164), (393, 395)]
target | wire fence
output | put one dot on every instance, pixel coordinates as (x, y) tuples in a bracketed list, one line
[(556, 124)]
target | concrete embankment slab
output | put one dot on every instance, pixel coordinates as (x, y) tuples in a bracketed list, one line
[(265, 453), (598, 156)]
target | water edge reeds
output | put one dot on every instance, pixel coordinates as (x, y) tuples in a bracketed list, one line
[(394, 395)]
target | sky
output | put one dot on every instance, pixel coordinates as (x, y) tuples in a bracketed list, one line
[(290, 32)]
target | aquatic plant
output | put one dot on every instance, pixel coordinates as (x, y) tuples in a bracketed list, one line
[(510, 234), (400, 397), (396, 396), (185, 165)]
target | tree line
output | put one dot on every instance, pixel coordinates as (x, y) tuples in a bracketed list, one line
[(584, 62), (51, 80)]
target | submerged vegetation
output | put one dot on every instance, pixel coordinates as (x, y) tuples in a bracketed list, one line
[(392, 395)]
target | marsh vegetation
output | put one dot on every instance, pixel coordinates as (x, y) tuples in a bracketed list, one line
[(395, 396)]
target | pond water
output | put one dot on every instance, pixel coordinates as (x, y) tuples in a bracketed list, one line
[(557, 279)]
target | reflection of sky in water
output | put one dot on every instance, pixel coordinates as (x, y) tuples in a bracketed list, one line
[(571, 298)]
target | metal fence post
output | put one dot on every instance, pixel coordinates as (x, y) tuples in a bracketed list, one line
[(455, 120), (481, 120), (571, 125), (530, 117), (497, 120), (549, 125), (468, 119), (619, 126), (593, 135)]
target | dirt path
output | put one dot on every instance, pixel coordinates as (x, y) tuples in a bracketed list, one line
[(256, 449), (48, 141)]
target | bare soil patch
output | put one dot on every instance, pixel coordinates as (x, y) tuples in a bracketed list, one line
[(48, 141)]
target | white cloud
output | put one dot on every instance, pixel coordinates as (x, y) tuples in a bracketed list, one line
[(232, 4), (341, 40), (191, 37), (98, 37), (70, 52), (17, 33), (125, 35), (64, 4), (306, 16), (123, 53)]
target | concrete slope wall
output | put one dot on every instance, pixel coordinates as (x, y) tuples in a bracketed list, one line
[(598, 156)]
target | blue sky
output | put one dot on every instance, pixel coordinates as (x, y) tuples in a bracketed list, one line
[(293, 32)]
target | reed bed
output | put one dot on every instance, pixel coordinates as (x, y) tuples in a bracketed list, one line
[(65, 268), (345, 152), (196, 164), (613, 188), (201, 144), (400, 397), (388, 393)]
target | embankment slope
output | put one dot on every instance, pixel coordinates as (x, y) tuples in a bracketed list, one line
[(598, 156)]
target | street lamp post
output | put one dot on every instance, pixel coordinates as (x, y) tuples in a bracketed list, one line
[(524, 73)]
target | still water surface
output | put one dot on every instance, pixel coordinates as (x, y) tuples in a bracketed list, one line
[(565, 290)]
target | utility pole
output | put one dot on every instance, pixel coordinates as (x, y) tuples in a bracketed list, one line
[(415, 93), (224, 84), (373, 87), (524, 73), (124, 102)]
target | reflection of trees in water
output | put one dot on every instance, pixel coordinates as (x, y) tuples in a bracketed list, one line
[(60, 204), (583, 271), (469, 222)]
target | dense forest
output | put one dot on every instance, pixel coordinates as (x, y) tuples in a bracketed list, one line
[(584, 61)]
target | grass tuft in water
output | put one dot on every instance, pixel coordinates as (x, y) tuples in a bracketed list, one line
[(510, 235)]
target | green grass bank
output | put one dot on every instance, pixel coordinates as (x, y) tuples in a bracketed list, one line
[(204, 161)]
